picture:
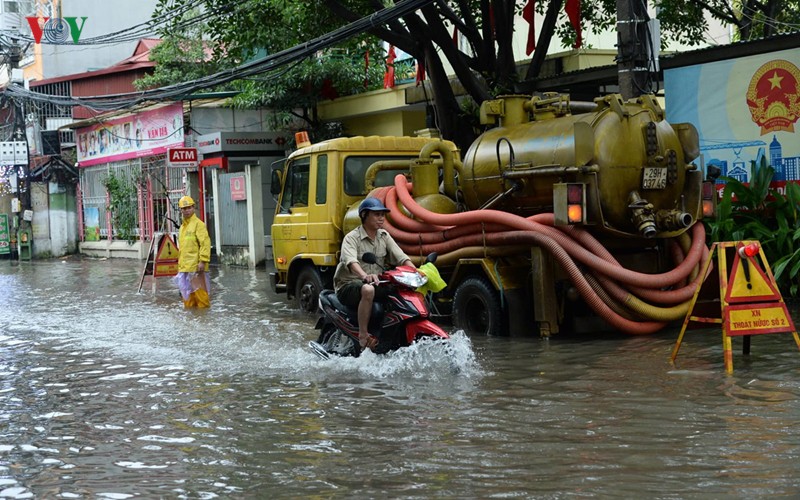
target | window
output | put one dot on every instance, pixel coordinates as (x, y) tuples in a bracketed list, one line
[(295, 189), (356, 166), (322, 179)]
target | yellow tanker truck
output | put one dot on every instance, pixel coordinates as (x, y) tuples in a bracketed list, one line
[(551, 221)]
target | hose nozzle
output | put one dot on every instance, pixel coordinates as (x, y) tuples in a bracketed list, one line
[(642, 215), (673, 219)]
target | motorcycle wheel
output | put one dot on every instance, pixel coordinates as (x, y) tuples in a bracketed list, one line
[(334, 341)]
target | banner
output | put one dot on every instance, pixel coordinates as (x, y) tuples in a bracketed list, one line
[(5, 238), (146, 133), (744, 109)]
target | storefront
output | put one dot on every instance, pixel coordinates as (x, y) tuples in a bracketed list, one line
[(126, 190), (234, 192)]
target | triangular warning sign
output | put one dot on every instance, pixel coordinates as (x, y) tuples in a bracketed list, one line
[(167, 249), (748, 283), (748, 301)]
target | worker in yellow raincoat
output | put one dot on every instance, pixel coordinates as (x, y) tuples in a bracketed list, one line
[(194, 247)]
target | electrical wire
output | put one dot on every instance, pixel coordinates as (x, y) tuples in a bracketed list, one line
[(264, 65)]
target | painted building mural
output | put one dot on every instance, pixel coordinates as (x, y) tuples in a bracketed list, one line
[(744, 109)]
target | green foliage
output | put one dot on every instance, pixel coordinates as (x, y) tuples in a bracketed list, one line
[(294, 94), (787, 237), (123, 205), (252, 29), (685, 20), (758, 212), (484, 61), (182, 55)]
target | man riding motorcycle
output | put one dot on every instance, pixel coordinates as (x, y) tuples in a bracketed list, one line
[(355, 280)]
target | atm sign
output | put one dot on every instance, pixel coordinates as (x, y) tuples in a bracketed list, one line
[(182, 157)]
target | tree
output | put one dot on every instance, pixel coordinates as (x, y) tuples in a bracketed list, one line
[(182, 55), (685, 21), (238, 32), (751, 19), (484, 63)]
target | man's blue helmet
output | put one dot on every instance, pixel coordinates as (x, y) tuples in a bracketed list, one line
[(371, 204)]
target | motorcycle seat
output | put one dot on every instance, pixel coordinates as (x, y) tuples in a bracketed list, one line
[(375, 319)]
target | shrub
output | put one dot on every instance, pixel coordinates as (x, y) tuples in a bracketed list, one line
[(755, 211)]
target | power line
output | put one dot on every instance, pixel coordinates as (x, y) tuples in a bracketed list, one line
[(259, 66)]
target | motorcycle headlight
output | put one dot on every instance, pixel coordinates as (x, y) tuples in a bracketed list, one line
[(411, 280)]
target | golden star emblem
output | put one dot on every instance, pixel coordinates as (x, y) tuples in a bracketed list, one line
[(775, 81)]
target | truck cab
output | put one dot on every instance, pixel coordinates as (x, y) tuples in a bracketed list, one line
[(318, 184)]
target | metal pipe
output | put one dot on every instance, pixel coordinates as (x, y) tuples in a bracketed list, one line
[(448, 166)]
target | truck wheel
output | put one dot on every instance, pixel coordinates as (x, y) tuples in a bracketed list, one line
[(476, 308), (307, 289)]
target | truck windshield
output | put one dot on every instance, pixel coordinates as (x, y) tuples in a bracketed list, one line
[(356, 166), (295, 187)]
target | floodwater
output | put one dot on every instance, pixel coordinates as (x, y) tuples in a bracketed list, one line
[(113, 394)]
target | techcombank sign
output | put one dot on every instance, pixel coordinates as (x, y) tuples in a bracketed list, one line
[(226, 142)]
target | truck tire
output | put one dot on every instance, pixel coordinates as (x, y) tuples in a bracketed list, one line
[(477, 309), (307, 288)]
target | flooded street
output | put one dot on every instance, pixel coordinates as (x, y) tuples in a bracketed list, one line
[(110, 393)]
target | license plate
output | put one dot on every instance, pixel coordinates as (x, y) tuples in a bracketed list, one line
[(654, 178)]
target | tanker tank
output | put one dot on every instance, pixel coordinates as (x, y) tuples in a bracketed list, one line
[(635, 167)]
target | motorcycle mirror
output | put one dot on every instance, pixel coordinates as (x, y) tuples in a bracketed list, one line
[(432, 257), (370, 258)]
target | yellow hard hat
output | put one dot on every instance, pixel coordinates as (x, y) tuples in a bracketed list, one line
[(185, 201)]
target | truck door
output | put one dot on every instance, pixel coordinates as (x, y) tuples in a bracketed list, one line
[(290, 228)]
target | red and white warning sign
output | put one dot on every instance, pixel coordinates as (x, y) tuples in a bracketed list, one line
[(182, 157)]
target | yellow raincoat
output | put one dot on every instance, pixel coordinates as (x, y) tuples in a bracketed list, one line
[(194, 246)]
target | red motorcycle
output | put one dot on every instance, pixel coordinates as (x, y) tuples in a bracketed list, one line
[(399, 322)]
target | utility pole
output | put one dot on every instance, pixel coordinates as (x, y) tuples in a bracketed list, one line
[(21, 162), (632, 48)]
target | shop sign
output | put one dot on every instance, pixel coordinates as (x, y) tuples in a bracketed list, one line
[(238, 188), (148, 133), (5, 239), (222, 142), (182, 157)]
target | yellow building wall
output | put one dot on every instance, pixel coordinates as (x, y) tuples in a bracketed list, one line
[(380, 112), (393, 123)]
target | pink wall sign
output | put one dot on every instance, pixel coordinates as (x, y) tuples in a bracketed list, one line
[(238, 188), (146, 133)]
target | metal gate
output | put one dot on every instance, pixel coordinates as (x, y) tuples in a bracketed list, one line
[(233, 213), (154, 204)]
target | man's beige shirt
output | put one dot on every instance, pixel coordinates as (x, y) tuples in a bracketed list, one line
[(355, 244)]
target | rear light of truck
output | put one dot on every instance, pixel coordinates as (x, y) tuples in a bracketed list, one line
[(709, 199), (569, 203), (576, 198)]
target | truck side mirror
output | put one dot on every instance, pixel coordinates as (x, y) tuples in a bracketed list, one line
[(275, 183)]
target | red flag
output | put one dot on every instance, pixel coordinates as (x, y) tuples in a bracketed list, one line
[(388, 77), (455, 36), (420, 73), (328, 91), (527, 14), (573, 9), (491, 18), (366, 69)]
